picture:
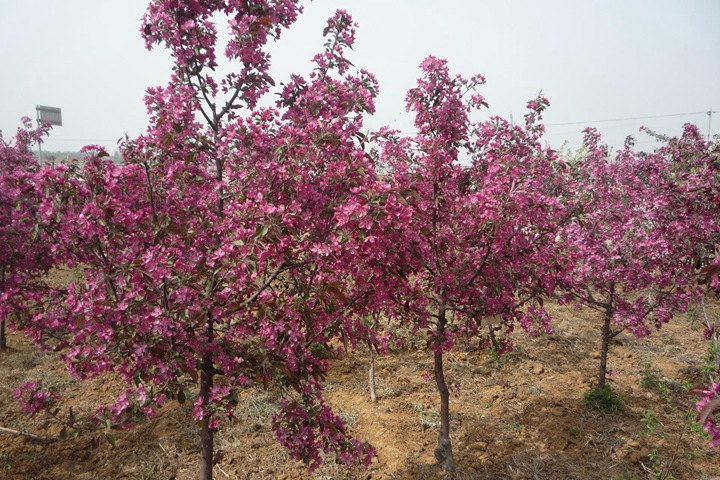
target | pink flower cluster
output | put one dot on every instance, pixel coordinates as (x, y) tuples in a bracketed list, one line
[(707, 407), (34, 399), (307, 429)]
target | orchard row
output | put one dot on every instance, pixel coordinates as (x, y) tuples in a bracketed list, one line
[(236, 242)]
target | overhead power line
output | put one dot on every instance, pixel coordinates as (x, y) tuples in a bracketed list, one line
[(627, 118), (84, 139)]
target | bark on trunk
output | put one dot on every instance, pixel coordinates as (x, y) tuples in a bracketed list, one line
[(602, 373), (493, 340), (443, 452), (3, 340), (206, 433), (371, 374), (371, 370), (207, 370)]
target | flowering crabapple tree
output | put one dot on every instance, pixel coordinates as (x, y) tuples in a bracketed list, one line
[(220, 254), (709, 404), (474, 216), (24, 258), (693, 174), (629, 246)]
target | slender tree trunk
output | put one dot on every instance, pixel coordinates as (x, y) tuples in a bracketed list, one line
[(207, 370), (206, 433), (371, 374), (606, 337), (715, 336), (371, 370), (493, 340), (3, 339), (443, 452)]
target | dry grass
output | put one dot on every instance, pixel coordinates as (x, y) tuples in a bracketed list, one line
[(519, 416)]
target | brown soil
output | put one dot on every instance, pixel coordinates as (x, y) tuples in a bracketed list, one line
[(520, 416)]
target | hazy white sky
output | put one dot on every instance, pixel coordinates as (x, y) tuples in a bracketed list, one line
[(597, 61)]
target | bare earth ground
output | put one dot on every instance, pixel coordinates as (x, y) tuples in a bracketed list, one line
[(520, 416)]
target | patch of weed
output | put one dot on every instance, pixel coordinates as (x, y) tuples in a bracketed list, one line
[(604, 399)]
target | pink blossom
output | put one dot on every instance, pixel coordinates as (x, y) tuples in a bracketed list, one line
[(33, 399)]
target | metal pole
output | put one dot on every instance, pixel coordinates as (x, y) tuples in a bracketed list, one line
[(40, 160), (53, 116), (709, 113)]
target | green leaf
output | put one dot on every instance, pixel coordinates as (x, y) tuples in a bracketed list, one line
[(262, 231)]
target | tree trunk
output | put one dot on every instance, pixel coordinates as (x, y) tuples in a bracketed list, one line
[(3, 339), (371, 370), (491, 333), (606, 337), (207, 370), (443, 452), (206, 433), (371, 374)]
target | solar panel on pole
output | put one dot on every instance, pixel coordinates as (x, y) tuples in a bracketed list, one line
[(53, 115), (49, 114)]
